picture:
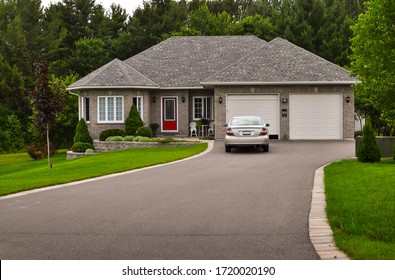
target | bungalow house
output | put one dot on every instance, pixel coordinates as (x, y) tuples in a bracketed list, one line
[(184, 79)]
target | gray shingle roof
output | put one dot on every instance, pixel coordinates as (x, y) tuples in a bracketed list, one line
[(190, 62), (281, 62), (186, 61), (112, 75)]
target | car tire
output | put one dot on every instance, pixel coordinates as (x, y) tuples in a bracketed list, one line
[(265, 148), (228, 149)]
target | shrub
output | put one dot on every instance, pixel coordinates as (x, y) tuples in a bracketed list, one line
[(111, 132), (141, 139), (82, 133), (133, 122), (128, 138), (144, 131), (368, 150), (81, 147), (89, 151), (11, 135), (114, 138), (393, 152), (38, 151)]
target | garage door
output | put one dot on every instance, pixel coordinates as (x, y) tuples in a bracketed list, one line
[(315, 116), (263, 105)]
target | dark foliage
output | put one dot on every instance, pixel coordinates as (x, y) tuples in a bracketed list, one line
[(368, 150), (38, 151), (144, 131)]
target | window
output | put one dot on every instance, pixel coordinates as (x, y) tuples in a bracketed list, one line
[(110, 109), (202, 108), (170, 109), (85, 108), (138, 102)]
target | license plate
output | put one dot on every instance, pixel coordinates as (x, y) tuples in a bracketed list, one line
[(246, 133)]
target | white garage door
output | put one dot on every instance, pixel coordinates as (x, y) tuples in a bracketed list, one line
[(263, 105), (315, 116)]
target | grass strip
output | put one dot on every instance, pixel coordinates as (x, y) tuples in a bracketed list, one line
[(361, 208), (19, 173)]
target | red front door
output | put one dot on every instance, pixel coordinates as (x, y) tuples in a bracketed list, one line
[(169, 114)]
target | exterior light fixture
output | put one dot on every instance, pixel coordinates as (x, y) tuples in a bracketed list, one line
[(284, 100), (220, 100), (183, 99), (348, 99), (154, 99)]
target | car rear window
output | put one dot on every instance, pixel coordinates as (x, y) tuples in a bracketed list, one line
[(246, 121)]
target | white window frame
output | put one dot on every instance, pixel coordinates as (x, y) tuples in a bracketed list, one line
[(204, 109), (108, 109), (139, 105)]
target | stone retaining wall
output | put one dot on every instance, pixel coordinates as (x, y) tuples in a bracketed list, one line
[(105, 146)]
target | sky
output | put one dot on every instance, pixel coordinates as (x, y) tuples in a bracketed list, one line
[(129, 5)]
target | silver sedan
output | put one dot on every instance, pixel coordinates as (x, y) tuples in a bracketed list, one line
[(247, 131)]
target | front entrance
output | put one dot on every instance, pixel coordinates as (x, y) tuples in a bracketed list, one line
[(169, 114)]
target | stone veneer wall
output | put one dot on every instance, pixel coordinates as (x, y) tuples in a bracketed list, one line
[(283, 91), (105, 146)]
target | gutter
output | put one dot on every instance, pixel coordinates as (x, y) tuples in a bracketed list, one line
[(316, 83), (78, 96)]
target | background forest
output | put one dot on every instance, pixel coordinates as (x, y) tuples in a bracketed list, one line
[(76, 37)]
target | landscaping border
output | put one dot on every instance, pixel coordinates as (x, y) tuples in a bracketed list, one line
[(105, 146)]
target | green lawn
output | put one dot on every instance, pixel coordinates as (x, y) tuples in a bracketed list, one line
[(18, 172), (361, 207)]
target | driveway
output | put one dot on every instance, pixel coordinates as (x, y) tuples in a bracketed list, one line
[(239, 205)]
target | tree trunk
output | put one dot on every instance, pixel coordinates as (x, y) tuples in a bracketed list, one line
[(48, 149)]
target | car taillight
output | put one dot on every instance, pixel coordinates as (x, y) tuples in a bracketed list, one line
[(229, 132), (263, 132)]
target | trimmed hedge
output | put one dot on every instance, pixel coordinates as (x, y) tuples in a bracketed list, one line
[(111, 132), (144, 131), (114, 138), (128, 138), (81, 147)]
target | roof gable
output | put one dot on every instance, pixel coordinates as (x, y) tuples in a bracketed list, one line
[(281, 62), (184, 61), (115, 74)]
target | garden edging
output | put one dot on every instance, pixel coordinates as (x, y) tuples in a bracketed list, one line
[(105, 146)]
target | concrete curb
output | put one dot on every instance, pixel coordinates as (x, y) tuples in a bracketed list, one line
[(320, 232)]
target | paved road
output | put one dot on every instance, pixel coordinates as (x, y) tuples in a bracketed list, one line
[(239, 205)]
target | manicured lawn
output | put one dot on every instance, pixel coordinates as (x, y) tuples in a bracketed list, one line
[(18, 172), (361, 207)]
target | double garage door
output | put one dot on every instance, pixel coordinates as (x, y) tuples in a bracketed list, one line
[(311, 116)]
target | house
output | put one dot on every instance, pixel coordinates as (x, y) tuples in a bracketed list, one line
[(184, 79)]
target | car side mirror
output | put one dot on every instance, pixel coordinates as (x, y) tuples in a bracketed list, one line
[(267, 125), (226, 125)]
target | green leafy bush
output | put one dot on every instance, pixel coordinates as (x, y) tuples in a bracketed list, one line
[(82, 133), (133, 122), (368, 150), (141, 139), (128, 138), (38, 151), (111, 132), (11, 135), (144, 131), (89, 151), (81, 147), (114, 138)]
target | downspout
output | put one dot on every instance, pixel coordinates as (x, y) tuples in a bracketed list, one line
[(79, 107)]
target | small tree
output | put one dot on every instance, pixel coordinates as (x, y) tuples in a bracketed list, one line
[(82, 133), (47, 102), (368, 150), (133, 122)]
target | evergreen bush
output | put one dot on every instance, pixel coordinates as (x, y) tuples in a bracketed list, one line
[(144, 131), (82, 133), (81, 147), (141, 139), (133, 122), (368, 150), (111, 132)]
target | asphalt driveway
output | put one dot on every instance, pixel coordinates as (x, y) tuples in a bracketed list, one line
[(240, 205)]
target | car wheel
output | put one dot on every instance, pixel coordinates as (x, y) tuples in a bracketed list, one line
[(265, 148), (228, 149)]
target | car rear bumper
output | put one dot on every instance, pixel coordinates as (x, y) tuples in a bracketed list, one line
[(246, 141)]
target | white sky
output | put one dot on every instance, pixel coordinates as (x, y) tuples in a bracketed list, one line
[(129, 5)]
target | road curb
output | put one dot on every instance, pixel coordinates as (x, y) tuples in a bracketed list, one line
[(320, 232)]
